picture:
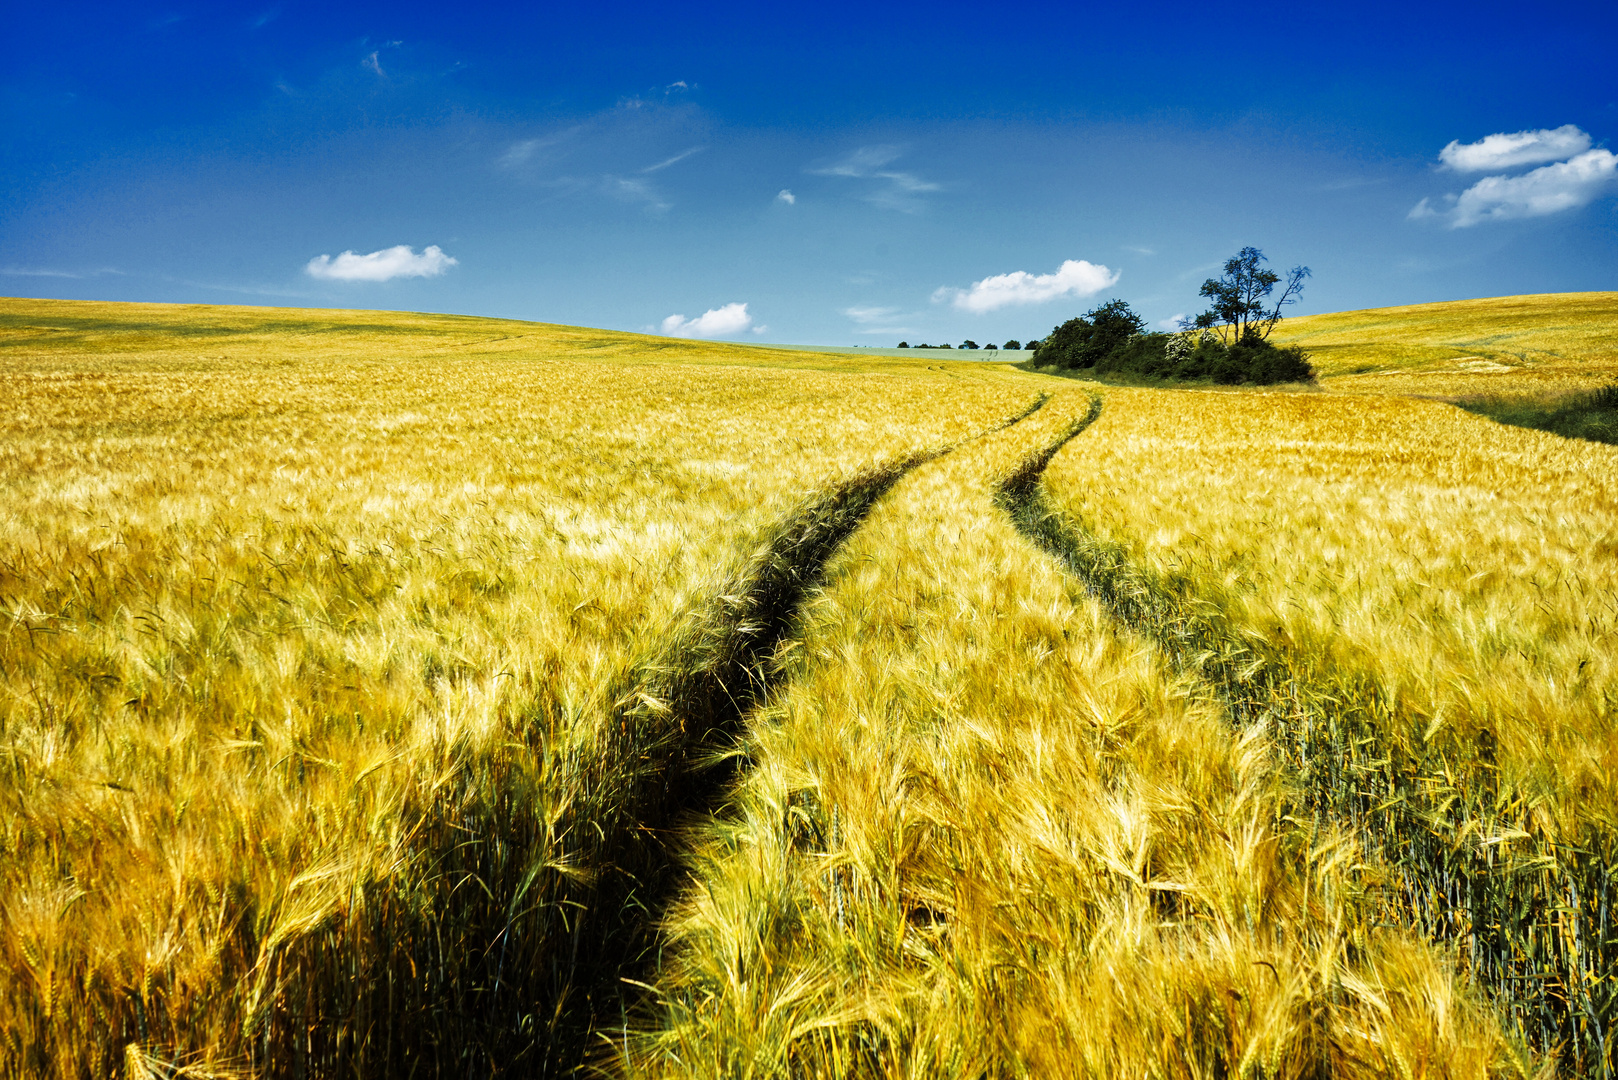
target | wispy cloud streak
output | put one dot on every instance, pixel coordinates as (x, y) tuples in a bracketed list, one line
[(897, 190), (676, 159)]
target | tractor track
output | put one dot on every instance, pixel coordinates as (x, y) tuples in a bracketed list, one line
[(1539, 931), (685, 710)]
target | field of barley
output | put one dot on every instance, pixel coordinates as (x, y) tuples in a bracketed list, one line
[(424, 695), (1542, 344)]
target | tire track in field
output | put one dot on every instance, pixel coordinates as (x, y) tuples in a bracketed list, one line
[(1125, 591), (1539, 931), (677, 726)]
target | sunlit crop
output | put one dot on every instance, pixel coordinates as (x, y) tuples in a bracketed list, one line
[(1436, 597), (313, 629), (1537, 345), (985, 832), (393, 695)]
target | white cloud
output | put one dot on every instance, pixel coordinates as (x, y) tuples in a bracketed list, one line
[(786, 196), (715, 322), (384, 265), (1549, 189), (1507, 151), (1172, 323), (1075, 277)]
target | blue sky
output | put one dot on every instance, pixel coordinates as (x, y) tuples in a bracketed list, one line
[(829, 174)]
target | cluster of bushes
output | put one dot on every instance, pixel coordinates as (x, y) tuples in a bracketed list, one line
[(1111, 340)]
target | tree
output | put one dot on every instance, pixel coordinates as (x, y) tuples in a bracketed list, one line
[(1031, 344), (1115, 323), (1082, 342), (1012, 343), (904, 345), (969, 344), (991, 345), (1237, 309)]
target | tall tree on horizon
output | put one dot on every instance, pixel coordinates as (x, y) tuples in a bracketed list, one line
[(1237, 308)]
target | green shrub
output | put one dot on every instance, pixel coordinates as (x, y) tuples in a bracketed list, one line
[(1141, 354), (1255, 360), (1091, 338)]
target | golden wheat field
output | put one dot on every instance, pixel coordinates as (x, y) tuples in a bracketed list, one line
[(426, 695), (1510, 344), (986, 833)]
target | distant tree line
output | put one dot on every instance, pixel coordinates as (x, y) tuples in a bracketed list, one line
[(1011, 343), (1227, 344)]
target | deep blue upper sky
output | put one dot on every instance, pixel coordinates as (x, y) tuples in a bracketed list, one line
[(620, 165)]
